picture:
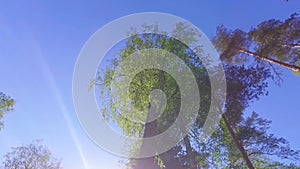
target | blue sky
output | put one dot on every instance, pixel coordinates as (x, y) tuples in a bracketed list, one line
[(39, 45)]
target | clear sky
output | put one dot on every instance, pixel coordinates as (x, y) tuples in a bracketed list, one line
[(39, 45)]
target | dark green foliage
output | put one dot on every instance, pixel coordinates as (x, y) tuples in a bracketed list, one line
[(229, 43), (273, 41), (252, 131), (278, 39), (245, 83)]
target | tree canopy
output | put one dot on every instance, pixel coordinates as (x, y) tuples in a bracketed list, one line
[(31, 156), (6, 105), (245, 83), (272, 42)]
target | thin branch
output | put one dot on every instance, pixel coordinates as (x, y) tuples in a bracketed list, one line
[(276, 73), (296, 45), (270, 60)]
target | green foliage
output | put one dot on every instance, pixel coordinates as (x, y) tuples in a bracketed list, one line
[(6, 105), (160, 162), (245, 83), (150, 79), (31, 156)]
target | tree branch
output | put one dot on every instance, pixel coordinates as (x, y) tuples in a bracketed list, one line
[(238, 142), (296, 45), (270, 60)]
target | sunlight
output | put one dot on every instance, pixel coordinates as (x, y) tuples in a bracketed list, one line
[(48, 76)]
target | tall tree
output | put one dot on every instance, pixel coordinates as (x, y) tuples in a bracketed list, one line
[(222, 150), (245, 83), (150, 79), (272, 41), (31, 156), (6, 104)]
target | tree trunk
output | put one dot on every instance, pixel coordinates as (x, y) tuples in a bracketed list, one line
[(149, 162), (190, 152), (279, 63), (238, 143)]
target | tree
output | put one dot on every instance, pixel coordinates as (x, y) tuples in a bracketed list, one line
[(6, 104), (222, 150), (31, 156), (146, 81), (273, 41), (245, 84)]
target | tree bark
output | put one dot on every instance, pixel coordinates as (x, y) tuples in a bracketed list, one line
[(270, 60), (238, 142), (292, 45), (190, 152), (149, 162)]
